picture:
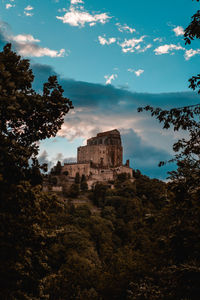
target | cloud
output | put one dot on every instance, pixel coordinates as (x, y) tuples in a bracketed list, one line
[(144, 49), (139, 72), (143, 156), (191, 52), (130, 45), (32, 50), (104, 41), (79, 17), (76, 1), (25, 44), (103, 107), (28, 14), (29, 8), (125, 27), (24, 38), (8, 5), (179, 30), (158, 39), (164, 49), (109, 78), (43, 158)]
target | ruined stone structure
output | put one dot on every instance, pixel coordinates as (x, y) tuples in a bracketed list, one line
[(101, 159)]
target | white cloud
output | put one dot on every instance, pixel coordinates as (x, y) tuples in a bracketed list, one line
[(76, 1), (25, 45), (28, 14), (109, 78), (104, 41), (80, 17), (190, 53), (62, 9), (8, 5), (32, 50), (158, 39), (29, 8), (164, 49), (129, 45), (27, 11), (139, 72), (125, 27), (137, 47), (179, 30), (145, 48), (24, 38)]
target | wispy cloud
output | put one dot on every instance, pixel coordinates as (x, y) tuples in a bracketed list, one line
[(125, 27), (139, 72), (104, 41), (145, 48), (76, 1), (136, 72), (9, 5), (79, 17), (110, 78), (164, 49), (27, 11), (29, 7), (190, 53), (158, 39), (130, 45), (179, 30)]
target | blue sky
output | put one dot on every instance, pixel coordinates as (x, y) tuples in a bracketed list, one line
[(111, 57)]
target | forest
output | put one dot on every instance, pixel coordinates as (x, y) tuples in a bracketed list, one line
[(141, 242)]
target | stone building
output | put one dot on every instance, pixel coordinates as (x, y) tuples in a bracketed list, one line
[(104, 150), (101, 159)]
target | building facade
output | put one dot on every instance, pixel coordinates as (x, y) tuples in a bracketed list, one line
[(104, 150), (101, 159)]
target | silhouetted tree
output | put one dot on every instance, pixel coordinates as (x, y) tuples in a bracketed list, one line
[(74, 190), (77, 178), (83, 184), (26, 117)]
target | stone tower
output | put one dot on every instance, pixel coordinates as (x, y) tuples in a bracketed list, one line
[(103, 151)]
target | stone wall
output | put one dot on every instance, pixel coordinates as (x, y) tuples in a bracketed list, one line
[(104, 150), (72, 169)]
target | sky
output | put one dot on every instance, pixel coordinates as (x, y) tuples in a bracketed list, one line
[(110, 57)]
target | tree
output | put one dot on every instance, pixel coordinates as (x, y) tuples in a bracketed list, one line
[(57, 169), (25, 116), (74, 190), (77, 178), (27, 227), (83, 184)]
